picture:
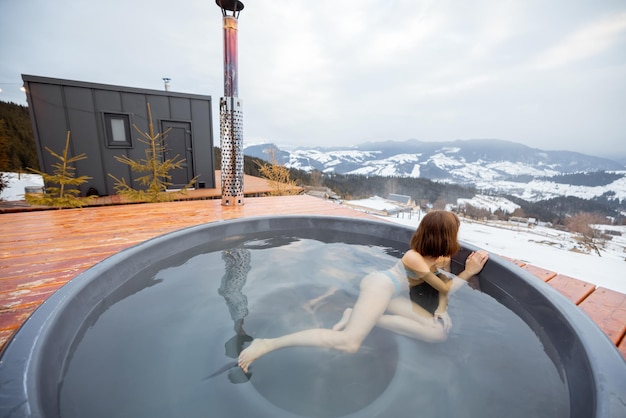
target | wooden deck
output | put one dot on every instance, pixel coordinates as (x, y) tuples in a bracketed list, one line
[(42, 250)]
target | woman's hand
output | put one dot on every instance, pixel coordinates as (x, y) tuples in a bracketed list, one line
[(444, 318), (475, 262)]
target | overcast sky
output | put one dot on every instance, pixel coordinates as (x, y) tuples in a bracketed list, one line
[(548, 74)]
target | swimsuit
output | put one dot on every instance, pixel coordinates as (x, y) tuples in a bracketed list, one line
[(423, 294), (398, 275)]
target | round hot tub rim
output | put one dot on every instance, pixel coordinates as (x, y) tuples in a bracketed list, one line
[(32, 364)]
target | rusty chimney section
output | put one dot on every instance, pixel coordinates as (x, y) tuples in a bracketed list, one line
[(231, 112)]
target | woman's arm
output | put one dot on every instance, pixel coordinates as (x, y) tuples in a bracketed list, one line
[(443, 301), (414, 262), (441, 313), (474, 264)]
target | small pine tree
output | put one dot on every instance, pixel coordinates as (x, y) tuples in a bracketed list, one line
[(63, 195), (278, 176), (157, 177)]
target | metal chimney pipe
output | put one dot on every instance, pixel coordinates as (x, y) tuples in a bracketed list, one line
[(231, 112)]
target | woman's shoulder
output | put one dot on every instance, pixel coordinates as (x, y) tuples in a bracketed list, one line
[(415, 261), (412, 255)]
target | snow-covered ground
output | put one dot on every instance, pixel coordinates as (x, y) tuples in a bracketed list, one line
[(16, 184), (547, 248), (540, 246)]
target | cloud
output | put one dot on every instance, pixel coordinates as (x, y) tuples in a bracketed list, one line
[(593, 39), (337, 73)]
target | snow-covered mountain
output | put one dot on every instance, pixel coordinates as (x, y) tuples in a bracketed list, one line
[(493, 165)]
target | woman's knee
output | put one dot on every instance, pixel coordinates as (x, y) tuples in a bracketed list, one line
[(347, 342), (351, 346), (439, 334)]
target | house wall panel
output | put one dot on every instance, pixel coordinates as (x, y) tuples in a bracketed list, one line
[(202, 134), (48, 108), (135, 105), (83, 125), (57, 106), (180, 109)]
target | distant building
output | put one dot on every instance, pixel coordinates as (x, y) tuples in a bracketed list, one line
[(401, 199), (524, 221), (321, 192), (101, 119)]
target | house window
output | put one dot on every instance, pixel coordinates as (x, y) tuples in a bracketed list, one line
[(117, 128)]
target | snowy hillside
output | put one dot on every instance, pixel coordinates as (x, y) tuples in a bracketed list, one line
[(490, 203), (499, 166), (538, 189)]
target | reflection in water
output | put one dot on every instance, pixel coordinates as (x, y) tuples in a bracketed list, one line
[(237, 266)]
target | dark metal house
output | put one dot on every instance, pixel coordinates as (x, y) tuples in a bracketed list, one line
[(101, 118)]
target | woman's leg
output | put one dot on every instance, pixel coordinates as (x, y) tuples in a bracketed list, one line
[(456, 285), (408, 319), (374, 297)]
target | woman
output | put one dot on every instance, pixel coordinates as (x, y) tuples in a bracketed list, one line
[(380, 302)]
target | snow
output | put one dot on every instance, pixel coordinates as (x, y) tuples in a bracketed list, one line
[(542, 189), (491, 203), (375, 203), (16, 184), (484, 175), (547, 248), (333, 158)]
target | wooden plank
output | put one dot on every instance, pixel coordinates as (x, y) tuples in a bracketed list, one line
[(28, 296), (5, 337), (514, 261), (573, 289), (49, 278), (12, 318), (543, 274), (607, 308)]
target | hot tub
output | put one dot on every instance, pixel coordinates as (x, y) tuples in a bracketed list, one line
[(44, 364)]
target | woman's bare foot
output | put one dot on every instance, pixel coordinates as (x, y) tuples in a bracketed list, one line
[(256, 349), (343, 321)]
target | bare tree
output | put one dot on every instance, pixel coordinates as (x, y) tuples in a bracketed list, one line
[(519, 212), (582, 225), (475, 212), (440, 203)]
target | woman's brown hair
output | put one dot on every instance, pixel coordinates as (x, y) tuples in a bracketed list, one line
[(437, 234)]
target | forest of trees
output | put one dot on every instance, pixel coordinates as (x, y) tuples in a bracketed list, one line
[(598, 178), (17, 142), (558, 209)]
